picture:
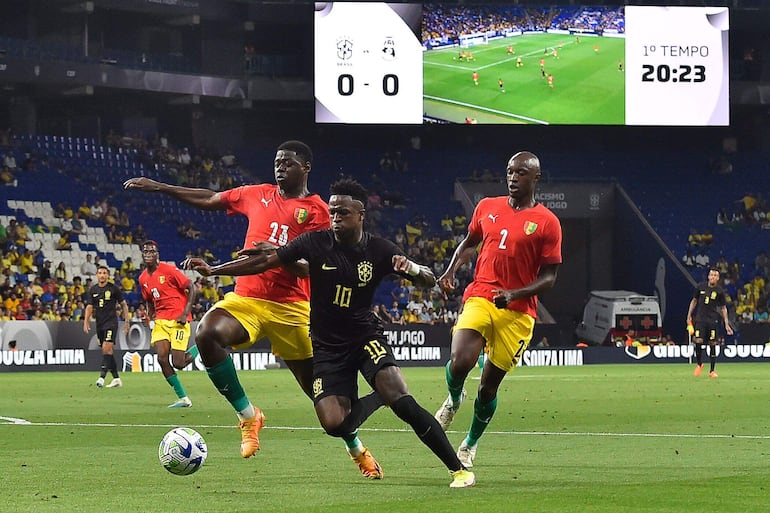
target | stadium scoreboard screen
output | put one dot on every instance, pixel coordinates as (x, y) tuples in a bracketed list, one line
[(382, 63)]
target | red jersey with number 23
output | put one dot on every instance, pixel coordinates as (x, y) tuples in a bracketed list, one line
[(166, 289), (277, 220), (515, 244)]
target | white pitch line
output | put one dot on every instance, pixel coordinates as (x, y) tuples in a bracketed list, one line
[(485, 109), (22, 422)]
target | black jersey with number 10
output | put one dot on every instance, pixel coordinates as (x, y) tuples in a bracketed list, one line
[(343, 280)]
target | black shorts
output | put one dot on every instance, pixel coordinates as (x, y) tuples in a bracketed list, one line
[(107, 335), (336, 372), (707, 331)]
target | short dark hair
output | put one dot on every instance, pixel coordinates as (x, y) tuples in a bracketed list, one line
[(349, 187), (150, 242), (300, 148)]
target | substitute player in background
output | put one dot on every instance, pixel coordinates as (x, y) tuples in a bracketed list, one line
[(710, 308), (102, 302), (169, 296), (519, 258), (274, 304), (346, 265)]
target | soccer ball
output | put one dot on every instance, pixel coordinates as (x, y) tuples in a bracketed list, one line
[(182, 451)]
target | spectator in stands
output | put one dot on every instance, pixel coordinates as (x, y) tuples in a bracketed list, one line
[(411, 316), (123, 219), (702, 259), (22, 234), (77, 224), (84, 211), (129, 287), (26, 263), (424, 316), (184, 158), (208, 294), (64, 242), (21, 314), (97, 212), (111, 216), (48, 313), (127, 266), (9, 161), (187, 230), (77, 290), (228, 160), (139, 235), (7, 177), (88, 268), (45, 272), (688, 260), (394, 312), (723, 266), (60, 272)]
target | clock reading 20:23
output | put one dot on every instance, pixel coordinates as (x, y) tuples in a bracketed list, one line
[(368, 63), (677, 66)]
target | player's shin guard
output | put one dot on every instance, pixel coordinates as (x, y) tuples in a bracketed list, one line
[(482, 415), (225, 379), (105, 364), (113, 366), (454, 385), (427, 429)]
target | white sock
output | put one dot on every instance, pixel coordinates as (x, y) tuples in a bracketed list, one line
[(357, 450), (247, 413)]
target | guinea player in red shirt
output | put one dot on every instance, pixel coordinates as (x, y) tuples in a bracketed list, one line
[(169, 295), (519, 257), (275, 304)]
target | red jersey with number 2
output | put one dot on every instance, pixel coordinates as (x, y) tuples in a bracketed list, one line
[(515, 244)]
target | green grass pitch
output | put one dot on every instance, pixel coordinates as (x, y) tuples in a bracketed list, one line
[(588, 88), (623, 438)]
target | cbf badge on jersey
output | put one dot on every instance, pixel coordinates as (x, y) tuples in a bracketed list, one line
[(365, 270)]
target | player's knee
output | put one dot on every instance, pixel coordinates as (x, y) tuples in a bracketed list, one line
[(180, 361), (337, 431)]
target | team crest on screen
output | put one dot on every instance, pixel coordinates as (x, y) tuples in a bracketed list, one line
[(344, 48), (389, 49), (300, 214), (162, 280), (107, 295), (365, 271), (530, 227)]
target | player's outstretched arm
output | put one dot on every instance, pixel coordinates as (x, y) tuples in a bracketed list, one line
[(203, 199)]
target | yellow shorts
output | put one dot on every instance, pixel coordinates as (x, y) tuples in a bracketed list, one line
[(176, 333), (286, 325), (506, 332)]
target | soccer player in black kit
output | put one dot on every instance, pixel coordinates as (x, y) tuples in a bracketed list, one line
[(102, 301), (708, 303), (346, 264)]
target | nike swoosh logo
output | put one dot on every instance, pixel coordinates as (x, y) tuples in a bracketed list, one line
[(325, 267)]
